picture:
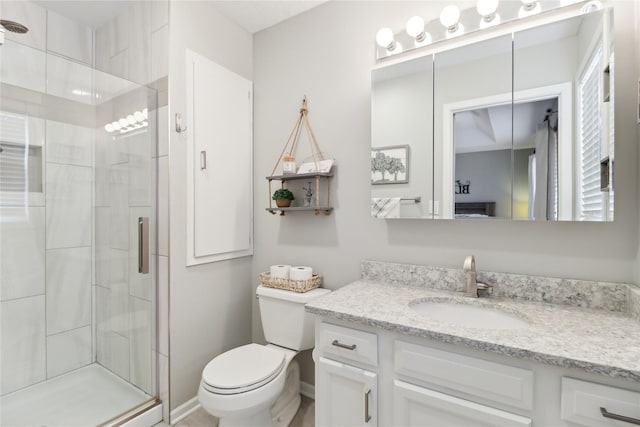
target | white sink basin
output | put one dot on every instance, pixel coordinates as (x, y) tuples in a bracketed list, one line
[(467, 315)]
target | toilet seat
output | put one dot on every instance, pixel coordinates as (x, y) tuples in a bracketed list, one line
[(243, 369)]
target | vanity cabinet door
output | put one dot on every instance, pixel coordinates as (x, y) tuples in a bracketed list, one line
[(345, 395), (419, 406)]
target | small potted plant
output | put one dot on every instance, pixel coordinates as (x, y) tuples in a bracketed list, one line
[(283, 197)]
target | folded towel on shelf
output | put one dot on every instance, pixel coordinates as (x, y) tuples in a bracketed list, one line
[(385, 207)]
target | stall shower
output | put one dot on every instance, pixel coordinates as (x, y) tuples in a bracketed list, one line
[(77, 225)]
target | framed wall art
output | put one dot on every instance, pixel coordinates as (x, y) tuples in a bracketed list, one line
[(390, 165)]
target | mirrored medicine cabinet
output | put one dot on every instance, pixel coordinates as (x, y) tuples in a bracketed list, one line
[(518, 126)]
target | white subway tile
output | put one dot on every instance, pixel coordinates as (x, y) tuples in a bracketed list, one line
[(69, 144), (68, 351), (68, 289), (32, 16), (69, 38), (23, 254), (69, 199), (120, 355), (160, 53), (140, 340), (23, 343), (23, 66)]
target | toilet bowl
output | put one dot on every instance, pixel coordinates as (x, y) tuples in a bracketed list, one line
[(244, 386)]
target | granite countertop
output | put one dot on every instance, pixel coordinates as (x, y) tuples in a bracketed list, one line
[(594, 340)]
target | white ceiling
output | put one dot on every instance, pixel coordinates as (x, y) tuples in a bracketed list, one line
[(255, 16), (252, 15)]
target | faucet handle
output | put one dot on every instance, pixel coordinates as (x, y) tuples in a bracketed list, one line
[(469, 263), (484, 288)]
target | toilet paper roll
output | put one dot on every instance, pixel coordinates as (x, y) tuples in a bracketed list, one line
[(301, 273), (280, 271)]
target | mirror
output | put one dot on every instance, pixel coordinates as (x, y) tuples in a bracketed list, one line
[(402, 140), (521, 127)]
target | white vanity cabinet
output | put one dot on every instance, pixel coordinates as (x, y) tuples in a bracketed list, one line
[(420, 406), (367, 376), (346, 377)]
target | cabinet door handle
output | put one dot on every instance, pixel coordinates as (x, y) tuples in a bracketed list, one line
[(345, 346), (203, 160), (617, 417), (367, 415)]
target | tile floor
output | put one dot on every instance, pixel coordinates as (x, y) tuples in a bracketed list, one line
[(305, 417)]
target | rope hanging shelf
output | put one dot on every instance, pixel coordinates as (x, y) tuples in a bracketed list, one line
[(318, 167)]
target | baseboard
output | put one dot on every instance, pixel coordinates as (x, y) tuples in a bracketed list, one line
[(184, 410), (308, 390)]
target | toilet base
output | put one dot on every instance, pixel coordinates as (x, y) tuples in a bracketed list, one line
[(285, 408)]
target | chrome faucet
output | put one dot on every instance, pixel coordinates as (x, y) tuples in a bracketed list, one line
[(472, 287)]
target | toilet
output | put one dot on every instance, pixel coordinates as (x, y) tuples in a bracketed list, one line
[(259, 385)]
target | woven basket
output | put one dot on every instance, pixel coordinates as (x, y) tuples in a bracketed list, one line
[(289, 284)]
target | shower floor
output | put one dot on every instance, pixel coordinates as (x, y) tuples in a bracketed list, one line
[(85, 397)]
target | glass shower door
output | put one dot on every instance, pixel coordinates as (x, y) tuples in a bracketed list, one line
[(77, 247)]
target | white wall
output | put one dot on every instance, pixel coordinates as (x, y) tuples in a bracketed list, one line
[(327, 54), (210, 304)]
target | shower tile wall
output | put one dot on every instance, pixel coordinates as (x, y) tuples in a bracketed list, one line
[(46, 262), (134, 45), (49, 307)]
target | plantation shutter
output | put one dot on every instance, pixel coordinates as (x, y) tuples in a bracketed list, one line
[(14, 153), (590, 197)]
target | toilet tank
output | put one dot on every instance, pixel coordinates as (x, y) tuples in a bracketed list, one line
[(284, 321)]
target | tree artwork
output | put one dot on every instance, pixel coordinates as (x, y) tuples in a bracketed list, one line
[(389, 165)]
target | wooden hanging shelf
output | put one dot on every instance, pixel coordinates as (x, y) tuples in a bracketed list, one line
[(289, 151)]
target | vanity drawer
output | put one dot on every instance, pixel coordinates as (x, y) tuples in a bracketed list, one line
[(582, 402), (488, 380), (348, 343)]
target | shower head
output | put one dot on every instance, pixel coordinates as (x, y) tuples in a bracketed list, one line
[(14, 27)]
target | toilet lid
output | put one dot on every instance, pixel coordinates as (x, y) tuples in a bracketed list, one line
[(243, 368)]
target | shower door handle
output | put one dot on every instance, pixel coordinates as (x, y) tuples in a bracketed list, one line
[(143, 245)]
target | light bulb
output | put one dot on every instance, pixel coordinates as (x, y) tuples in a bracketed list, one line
[(132, 120), (123, 123), (455, 31), (145, 114), (415, 27), (116, 125), (109, 127), (449, 17), (487, 7), (384, 38), (493, 21), (592, 6), (138, 115), (529, 8)]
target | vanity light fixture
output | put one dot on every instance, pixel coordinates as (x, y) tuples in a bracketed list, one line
[(415, 28), (592, 6), (385, 39), (137, 120), (450, 18), (487, 10), (529, 8), (492, 13)]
